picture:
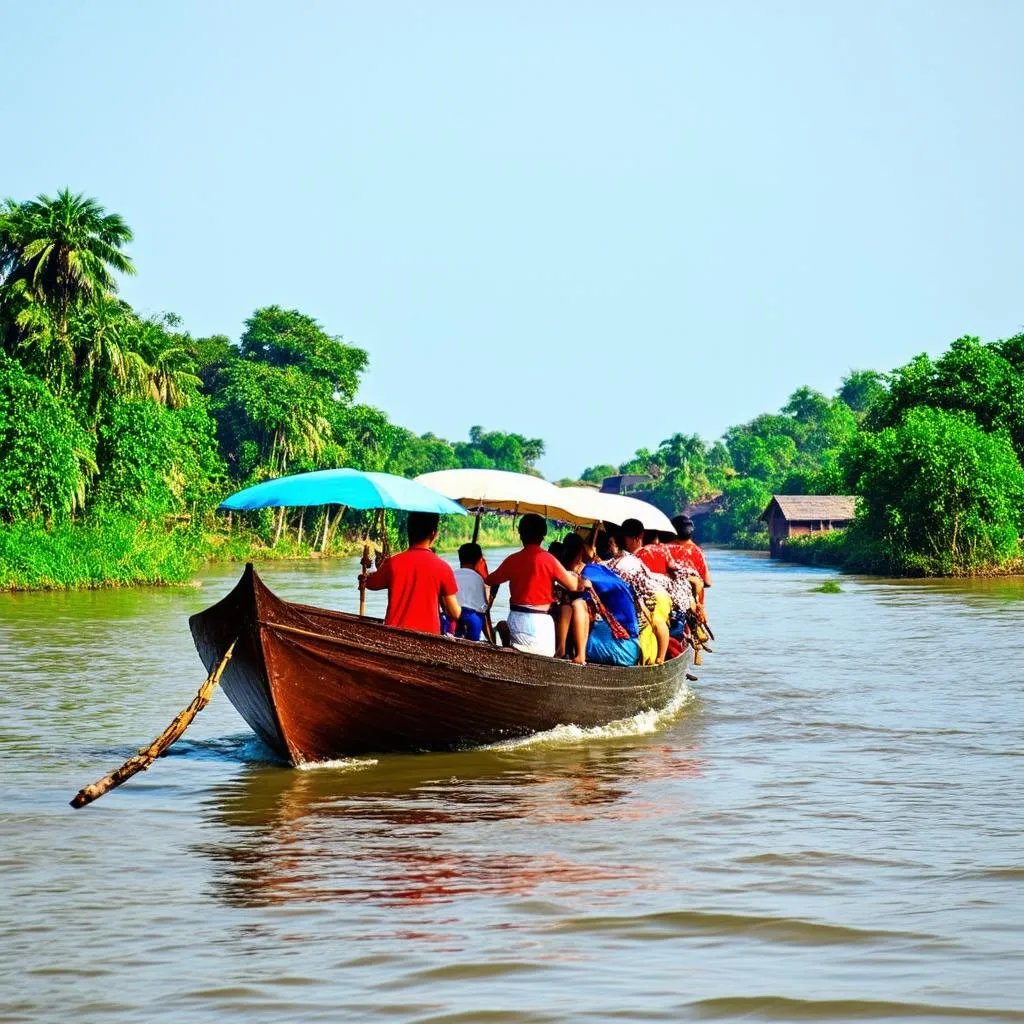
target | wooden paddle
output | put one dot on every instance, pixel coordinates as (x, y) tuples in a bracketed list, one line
[(144, 758)]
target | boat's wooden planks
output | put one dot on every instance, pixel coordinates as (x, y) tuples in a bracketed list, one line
[(316, 684)]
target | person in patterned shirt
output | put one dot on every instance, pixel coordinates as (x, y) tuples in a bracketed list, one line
[(653, 599)]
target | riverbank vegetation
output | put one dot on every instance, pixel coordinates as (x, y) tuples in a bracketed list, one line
[(933, 450), (120, 433)]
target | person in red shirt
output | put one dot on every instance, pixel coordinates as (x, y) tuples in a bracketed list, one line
[(417, 581), (687, 553), (531, 575), (654, 555)]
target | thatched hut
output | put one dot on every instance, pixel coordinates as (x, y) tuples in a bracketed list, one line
[(794, 515)]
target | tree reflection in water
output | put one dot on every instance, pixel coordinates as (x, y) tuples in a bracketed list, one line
[(415, 830)]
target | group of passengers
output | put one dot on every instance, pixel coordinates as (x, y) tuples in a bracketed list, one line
[(622, 598)]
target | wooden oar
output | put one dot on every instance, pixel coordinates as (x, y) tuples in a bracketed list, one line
[(144, 758)]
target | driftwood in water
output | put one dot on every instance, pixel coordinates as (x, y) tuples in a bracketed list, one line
[(144, 758)]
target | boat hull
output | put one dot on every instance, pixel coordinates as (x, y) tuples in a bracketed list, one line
[(315, 684)]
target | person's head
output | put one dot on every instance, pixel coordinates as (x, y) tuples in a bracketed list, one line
[(684, 527), (633, 534), (606, 546), (532, 528), (573, 551), (666, 537), (650, 536), (470, 555), (421, 526), (555, 548)]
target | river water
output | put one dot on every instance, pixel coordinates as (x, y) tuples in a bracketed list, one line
[(830, 827)]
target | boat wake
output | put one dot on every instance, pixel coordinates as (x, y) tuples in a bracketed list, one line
[(641, 724), (339, 764)]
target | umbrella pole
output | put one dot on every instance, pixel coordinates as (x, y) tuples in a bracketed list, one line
[(476, 526), (366, 562)]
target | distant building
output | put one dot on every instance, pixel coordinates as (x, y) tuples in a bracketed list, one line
[(795, 515), (699, 511), (623, 484)]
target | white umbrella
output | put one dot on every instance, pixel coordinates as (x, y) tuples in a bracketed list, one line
[(590, 506), (498, 491)]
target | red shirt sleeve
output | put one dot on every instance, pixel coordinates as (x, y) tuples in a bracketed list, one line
[(502, 574), (702, 565), (449, 588), (381, 579)]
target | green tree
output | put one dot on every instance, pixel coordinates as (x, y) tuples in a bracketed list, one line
[(737, 521), (497, 450), (860, 388), (595, 474), (155, 461), (286, 338), (61, 252), (282, 411), (939, 494), (983, 380), (46, 458)]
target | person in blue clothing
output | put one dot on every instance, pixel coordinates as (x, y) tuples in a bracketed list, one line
[(600, 642)]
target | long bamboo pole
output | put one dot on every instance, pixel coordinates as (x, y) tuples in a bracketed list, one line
[(145, 757)]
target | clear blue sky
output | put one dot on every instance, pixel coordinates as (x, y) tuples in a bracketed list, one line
[(527, 212)]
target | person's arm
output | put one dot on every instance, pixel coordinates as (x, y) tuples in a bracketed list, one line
[(572, 581), (379, 580), (703, 566), (499, 576), (451, 605)]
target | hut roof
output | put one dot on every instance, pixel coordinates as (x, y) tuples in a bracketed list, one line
[(801, 507)]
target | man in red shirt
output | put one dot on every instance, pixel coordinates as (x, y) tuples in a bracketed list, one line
[(417, 581), (531, 575)]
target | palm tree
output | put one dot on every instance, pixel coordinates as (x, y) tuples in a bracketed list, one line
[(62, 251)]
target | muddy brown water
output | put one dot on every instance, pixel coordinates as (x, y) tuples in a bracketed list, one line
[(829, 828)]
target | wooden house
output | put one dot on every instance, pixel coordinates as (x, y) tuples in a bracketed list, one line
[(793, 515), (623, 484), (699, 511)]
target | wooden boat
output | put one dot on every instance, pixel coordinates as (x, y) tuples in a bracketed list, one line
[(316, 684)]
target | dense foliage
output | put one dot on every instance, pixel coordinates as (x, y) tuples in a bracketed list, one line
[(120, 433), (113, 423), (933, 450)]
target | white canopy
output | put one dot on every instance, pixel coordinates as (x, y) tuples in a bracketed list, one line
[(498, 491), (589, 505)]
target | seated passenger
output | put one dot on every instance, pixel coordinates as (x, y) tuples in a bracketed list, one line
[(416, 580), (646, 546), (686, 552), (657, 557), (612, 637), (531, 575), (653, 600), (472, 595)]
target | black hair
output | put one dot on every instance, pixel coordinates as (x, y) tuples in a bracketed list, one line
[(421, 526), (572, 548), (532, 528), (604, 545), (555, 548), (684, 527), (632, 528), (470, 554)]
